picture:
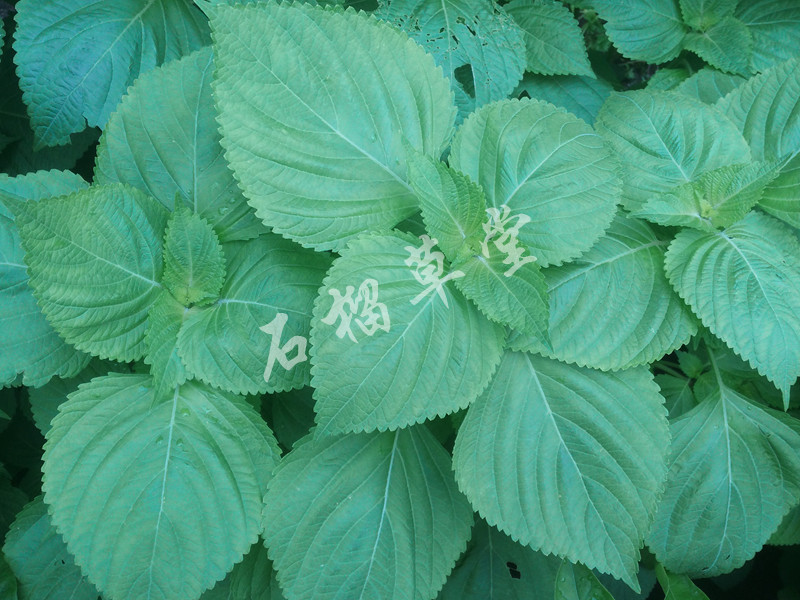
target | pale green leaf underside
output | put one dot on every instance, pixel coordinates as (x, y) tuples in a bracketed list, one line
[(144, 531), (576, 582), (95, 261), (475, 37), (223, 344), (453, 206), (665, 139), (28, 344), (727, 46), (485, 571), (649, 30), (702, 14), (553, 40), (436, 357), (314, 117), (742, 283), (194, 265), (163, 138), (613, 307), (547, 164), (370, 516), (40, 560), (709, 85), (678, 587), (717, 199), (582, 96), (567, 460), (766, 111), (46, 399), (164, 322), (734, 472), (517, 299), (775, 27), (76, 59)]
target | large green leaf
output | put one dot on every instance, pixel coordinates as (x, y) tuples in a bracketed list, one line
[(76, 59), (678, 587), (717, 198), (709, 85), (226, 344), (28, 344), (164, 139), (649, 30), (371, 516), (479, 47), (613, 307), (495, 566), (582, 96), (728, 46), (742, 283), (734, 472), (545, 164), (665, 139), (176, 485), (576, 582), (567, 460), (702, 14), (775, 27), (553, 40), (40, 560), (194, 265), (766, 111), (314, 117), (95, 260), (392, 346)]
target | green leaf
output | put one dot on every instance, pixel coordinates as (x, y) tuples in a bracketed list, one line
[(495, 566), (677, 392), (667, 79), (254, 578), (163, 139), (766, 111), (709, 85), (291, 415), (506, 287), (553, 39), (94, 259), (788, 532), (72, 74), (29, 345), (567, 460), (703, 14), (775, 27), (648, 30), (46, 399), (741, 282), (264, 310), (320, 156), (665, 139), (164, 322), (475, 42), (678, 587), (453, 207), (613, 308), (582, 96), (576, 582), (734, 472), (12, 499), (392, 343), (39, 558), (717, 199), (543, 163), (728, 46), (8, 583), (194, 265), (145, 531), (371, 516)]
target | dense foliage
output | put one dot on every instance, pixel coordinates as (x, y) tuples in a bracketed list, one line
[(410, 300)]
